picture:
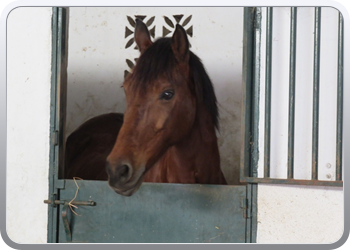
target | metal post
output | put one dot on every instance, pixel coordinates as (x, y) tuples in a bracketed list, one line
[(256, 92), (291, 115), (248, 42), (339, 149), (316, 93), (267, 137)]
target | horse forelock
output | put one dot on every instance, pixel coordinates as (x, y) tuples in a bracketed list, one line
[(159, 61)]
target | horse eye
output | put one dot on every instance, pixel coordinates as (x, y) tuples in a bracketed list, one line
[(167, 95)]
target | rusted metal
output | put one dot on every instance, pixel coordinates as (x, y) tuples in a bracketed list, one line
[(77, 203), (65, 221), (64, 214)]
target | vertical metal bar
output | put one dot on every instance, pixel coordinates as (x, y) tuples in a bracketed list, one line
[(316, 93), (256, 93), (267, 136), (52, 211), (339, 147), (57, 111), (291, 115), (62, 50), (248, 42)]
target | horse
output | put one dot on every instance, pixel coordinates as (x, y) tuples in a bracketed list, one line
[(88, 146), (169, 129)]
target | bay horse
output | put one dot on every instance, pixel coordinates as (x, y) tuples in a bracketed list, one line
[(88, 146), (169, 128)]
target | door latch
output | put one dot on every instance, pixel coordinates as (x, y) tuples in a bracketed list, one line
[(64, 212)]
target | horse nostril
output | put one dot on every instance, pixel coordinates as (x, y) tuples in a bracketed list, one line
[(123, 170), (119, 173)]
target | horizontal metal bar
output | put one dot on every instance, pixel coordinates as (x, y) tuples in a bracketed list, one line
[(78, 203), (291, 181)]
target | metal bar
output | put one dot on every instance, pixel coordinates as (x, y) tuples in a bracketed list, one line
[(66, 223), (316, 93), (248, 35), (62, 62), (291, 115), (339, 149), (58, 74), (267, 136), (52, 212), (256, 90), (291, 181), (78, 203)]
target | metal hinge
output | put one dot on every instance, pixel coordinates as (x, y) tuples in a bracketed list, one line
[(54, 138), (246, 207)]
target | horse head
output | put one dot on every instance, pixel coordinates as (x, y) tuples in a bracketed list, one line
[(160, 108)]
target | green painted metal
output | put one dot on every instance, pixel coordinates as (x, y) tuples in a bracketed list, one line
[(248, 65), (339, 140), (250, 95), (52, 211), (291, 115), (156, 213), (252, 220), (65, 221), (316, 93), (247, 117), (57, 108), (268, 68)]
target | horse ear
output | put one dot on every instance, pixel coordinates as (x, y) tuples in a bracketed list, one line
[(180, 44), (142, 36)]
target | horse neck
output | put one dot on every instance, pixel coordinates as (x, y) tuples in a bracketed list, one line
[(197, 156), (201, 136)]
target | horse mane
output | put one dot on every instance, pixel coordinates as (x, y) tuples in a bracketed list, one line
[(159, 57)]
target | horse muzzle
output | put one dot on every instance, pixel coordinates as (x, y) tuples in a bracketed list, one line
[(123, 180)]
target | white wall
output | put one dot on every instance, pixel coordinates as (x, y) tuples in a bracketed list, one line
[(28, 120), (299, 214)]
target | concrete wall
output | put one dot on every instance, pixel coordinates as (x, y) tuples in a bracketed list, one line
[(300, 214), (286, 214), (28, 123)]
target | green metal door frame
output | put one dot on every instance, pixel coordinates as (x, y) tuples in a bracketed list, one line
[(57, 112), (57, 122)]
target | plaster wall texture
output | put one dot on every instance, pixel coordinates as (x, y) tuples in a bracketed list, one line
[(28, 123)]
